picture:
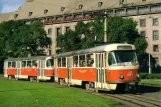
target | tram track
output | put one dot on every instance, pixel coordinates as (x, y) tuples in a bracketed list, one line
[(132, 100)]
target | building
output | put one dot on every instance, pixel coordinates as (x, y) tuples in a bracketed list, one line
[(5, 16), (61, 15)]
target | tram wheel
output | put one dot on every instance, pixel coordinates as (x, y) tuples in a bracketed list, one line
[(16, 79), (96, 90), (68, 85), (31, 79), (87, 86), (37, 80), (120, 88), (61, 82), (10, 77)]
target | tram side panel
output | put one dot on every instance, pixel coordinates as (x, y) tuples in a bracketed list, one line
[(84, 74), (11, 71), (62, 73), (29, 71), (49, 72)]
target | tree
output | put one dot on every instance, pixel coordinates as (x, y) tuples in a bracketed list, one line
[(119, 30), (68, 42), (18, 39), (123, 30)]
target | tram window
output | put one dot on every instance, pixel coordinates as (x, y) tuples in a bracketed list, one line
[(75, 61), (90, 60), (29, 64), (23, 63), (59, 62), (63, 62), (111, 59), (82, 61), (9, 65), (50, 63), (34, 63), (13, 64)]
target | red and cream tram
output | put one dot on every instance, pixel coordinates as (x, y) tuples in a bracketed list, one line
[(32, 68), (108, 67)]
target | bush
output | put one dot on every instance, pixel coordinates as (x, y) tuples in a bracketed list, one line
[(150, 76)]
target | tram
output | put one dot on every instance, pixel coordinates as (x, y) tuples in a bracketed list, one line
[(32, 68), (108, 67)]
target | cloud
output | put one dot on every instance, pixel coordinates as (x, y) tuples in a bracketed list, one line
[(10, 5)]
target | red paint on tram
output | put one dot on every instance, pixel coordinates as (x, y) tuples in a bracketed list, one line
[(62, 72), (114, 75), (84, 74)]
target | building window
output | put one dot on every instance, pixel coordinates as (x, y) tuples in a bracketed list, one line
[(143, 9), (67, 28), (58, 31), (143, 0), (155, 48), (142, 23), (62, 9), (100, 4), (143, 33), (155, 35), (155, 22), (49, 31), (45, 11), (30, 0), (80, 6), (120, 12), (15, 16), (30, 13), (155, 8), (131, 10), (121, 1)]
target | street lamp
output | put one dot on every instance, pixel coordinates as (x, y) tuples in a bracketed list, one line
[(149, 57), (105, 27), (105, 24)]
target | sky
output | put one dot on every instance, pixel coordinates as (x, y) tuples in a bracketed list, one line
[(10, 5)]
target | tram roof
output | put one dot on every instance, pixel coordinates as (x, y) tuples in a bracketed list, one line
[(107, 47), (28, 58)]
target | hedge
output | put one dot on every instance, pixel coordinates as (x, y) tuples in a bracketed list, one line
[(150, 76)]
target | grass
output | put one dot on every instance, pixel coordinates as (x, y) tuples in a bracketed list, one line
[(151, 82), (26, 94)]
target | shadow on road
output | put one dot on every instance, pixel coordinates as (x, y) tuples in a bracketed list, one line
[(148, 89)]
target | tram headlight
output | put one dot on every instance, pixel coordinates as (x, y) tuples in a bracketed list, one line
[(121, 77)]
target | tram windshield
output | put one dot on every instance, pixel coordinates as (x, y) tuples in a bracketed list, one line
[(122, 58), (50, 63)]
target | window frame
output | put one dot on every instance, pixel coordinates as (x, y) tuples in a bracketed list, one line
[(142, 23), (155, 36), (155, 22), (155, 48)]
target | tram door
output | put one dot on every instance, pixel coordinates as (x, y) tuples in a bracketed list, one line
[(18, 66), (41, 65), (69, 67), (101, 68)]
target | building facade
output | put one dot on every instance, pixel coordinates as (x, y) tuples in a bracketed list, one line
[(60, 15)]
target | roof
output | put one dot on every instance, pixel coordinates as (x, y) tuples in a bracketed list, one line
[(5, 16), (28, 58), (53, 7), (97, 49)]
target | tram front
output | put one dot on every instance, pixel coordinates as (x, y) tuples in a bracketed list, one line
[(122, 68)]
